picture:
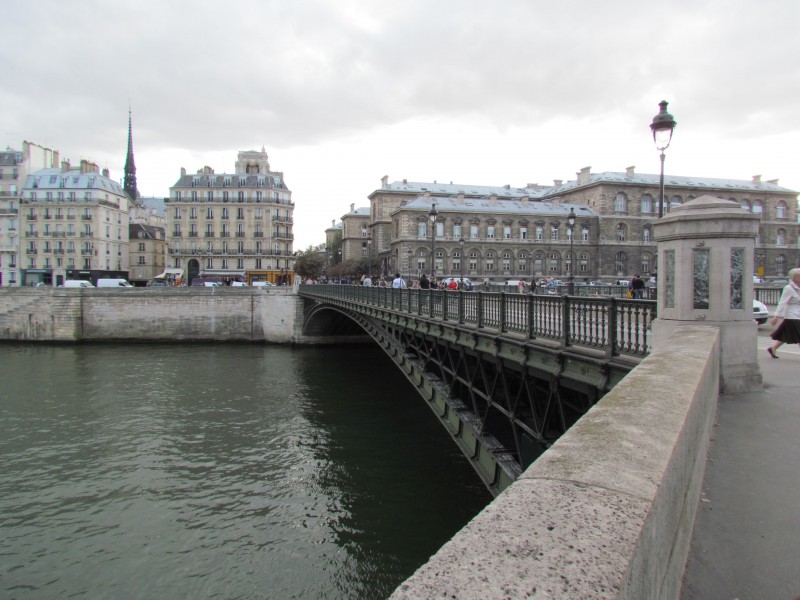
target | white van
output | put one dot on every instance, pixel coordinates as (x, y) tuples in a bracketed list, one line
[(115, 283), (77, 283), (238, 284)]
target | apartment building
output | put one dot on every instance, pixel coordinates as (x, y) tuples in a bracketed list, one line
[(74, 224), (232, 226)]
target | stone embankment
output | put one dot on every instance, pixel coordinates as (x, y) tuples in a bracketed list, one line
[(608, 511), (159, 314)]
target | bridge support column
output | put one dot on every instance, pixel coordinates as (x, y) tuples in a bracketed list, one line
[(705, 267)]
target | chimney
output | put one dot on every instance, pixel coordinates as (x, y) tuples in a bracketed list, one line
[(333, 222), (756, 178), (557, 182), (385, 181), (427, 196), (353, 207), (183, 171), (460, 197), (405, 181), (64, 166), (629, 171), (583, 175), (105, 173)]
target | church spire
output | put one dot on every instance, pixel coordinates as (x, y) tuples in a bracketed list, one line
[(130, 166)]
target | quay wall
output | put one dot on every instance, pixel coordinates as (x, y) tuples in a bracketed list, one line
[(608, 511), (272, 315)]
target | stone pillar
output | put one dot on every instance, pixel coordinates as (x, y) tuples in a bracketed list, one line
[(705, 276)]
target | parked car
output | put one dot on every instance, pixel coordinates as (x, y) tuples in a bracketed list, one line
[(157, 283), (760, 312)]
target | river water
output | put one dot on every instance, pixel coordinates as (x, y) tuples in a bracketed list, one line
[(219, 471)]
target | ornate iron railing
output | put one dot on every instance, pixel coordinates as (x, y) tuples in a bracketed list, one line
[(617, 326)]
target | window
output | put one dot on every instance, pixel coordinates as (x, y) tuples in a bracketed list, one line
[(141, 260), (647, 204), (473, 232), (620, 232), (745, 205), (585, 233), (490, 232), (554, 233), (141, 246), (620, 263), (780, 239), (506, 232), (758, 207), (193, 213), (621, 203), (209, 213), (177, 213), (209, 263), (645, 263), (780, 265), (646, 235), (224, 213), (439, 230), (675, 201), (781, 211), (457, 230), (539, 233), (523, 233), (240, 213), (422, 229)]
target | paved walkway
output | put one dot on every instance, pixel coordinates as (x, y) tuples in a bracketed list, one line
[(746, 542)]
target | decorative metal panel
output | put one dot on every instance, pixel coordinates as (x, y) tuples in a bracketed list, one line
[(737, 277), (669, 279), (701, 275)]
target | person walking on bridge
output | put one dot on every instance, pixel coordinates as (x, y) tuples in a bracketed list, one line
[(398, 282), (788, 332)]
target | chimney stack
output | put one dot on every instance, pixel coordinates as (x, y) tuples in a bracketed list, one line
[(629, 171)]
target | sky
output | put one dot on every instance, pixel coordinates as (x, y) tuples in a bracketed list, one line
[(343, 92)]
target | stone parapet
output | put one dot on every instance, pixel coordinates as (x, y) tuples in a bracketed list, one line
[(608, 511)]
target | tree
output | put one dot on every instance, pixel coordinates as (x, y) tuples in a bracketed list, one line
[(311, 262)]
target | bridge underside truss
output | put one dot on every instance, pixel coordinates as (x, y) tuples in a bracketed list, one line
[(503, 401)]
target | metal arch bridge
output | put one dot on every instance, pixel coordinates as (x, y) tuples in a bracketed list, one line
[(506, 374)]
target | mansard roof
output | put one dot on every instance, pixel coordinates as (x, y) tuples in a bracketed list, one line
[(55, 179), (500, 206), (214, 180), (452, 189), (673, 181)]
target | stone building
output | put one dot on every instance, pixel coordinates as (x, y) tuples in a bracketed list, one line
[(75, 225), (232, 225), (356, 234), (14, 168), (147, 252), (522, 232)]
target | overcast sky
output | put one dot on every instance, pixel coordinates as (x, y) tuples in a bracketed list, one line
[(343, 92)]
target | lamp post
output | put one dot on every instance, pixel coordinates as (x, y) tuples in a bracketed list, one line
[(369, 257), (461, 263), (432, 216), (571, 224), (662, 126)]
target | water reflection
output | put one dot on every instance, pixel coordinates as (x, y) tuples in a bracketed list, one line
[(219, 471)]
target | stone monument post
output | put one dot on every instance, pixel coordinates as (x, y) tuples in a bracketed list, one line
[(705, 267)]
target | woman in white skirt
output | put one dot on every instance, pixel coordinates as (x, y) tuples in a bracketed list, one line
[(788, 332)]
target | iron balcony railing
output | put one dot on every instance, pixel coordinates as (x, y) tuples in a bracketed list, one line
[(616, 326)]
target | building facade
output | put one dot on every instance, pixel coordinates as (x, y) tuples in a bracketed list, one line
[(147, 252), (74, 225), (14, 168), (236, 226), (523, 232)]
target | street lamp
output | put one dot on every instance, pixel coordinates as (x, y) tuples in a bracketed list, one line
[(432, 216), (339, 252), (571, 224), (461, 243), (662, 126), (369, 257)]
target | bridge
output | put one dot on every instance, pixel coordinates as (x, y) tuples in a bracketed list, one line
[(506, 374)]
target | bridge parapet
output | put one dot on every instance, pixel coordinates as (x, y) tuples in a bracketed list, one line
[(615, 326)]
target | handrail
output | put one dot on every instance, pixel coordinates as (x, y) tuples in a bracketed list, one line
[(616, 326)]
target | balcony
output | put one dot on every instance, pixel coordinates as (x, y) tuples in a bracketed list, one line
[(258, 234), (30, 217), (209, 234), (282, 236), (58, 234), (86, 234), (31, 251), (9, 211), (282, 219), (86, 217), (31, 234)]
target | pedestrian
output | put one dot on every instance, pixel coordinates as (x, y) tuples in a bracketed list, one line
[(788, 310), (424, 282), (398, 282), (521, 286), (637, 286), (367, 281)]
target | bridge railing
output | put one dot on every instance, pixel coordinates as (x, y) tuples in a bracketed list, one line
[(617, 326)]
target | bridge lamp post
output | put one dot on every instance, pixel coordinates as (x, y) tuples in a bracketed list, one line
[(662, 126), (461, 243), (369, 257), (432, 215), (571, 224)]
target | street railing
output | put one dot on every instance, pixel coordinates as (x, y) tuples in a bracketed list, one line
[(617, 326)]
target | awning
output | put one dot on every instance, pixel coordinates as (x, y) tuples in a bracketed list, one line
[(170, 273), (222, 273)]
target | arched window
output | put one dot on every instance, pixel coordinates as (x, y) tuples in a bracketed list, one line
[(675, 201), (647, 234), (745, 204), (621, 232), (645, 263), (758, 207), (781, 210), (647, 204), (780, 238), (621, 203), (621, 263)]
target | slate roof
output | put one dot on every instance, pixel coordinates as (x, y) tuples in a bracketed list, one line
[(51, 179), (516, 207)]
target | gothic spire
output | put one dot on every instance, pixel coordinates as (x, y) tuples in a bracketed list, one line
[(130, 166)]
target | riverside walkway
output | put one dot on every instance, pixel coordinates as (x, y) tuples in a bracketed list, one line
[(746, 540)]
